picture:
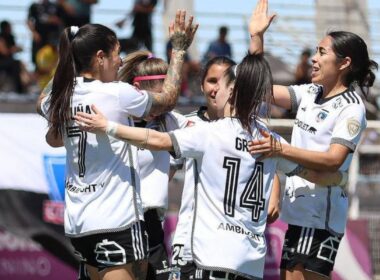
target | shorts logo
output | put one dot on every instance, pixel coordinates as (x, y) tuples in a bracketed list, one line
[(175, 274), (328, 249), (353, 127), (110, 253)]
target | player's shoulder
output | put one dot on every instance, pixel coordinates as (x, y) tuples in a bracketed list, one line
[(310, 89), (198, 115), (349, 101)]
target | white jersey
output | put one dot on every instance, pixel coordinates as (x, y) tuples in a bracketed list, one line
[(182, 235), (154, 166), (318, 124), (231, 191), (102, 183)]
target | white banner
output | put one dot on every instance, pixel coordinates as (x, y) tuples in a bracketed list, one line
[(27, 162)]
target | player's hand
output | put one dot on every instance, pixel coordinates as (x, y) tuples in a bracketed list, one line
[(181, 35), (268, 146), (260, 20), (96, 122), (273, 212)]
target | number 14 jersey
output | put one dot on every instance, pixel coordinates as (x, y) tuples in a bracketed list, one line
[(231, 191)]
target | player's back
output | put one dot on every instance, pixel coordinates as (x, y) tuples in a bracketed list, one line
[(101, 171), (230, 197)]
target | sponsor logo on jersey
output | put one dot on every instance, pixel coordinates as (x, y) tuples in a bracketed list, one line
[(240, 230), (305, 126), (322, 115), (353, 126), (83, 189)]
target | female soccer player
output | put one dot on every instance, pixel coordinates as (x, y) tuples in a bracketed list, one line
[(329, 122), (147, 72), (103, 210), (232, 187)]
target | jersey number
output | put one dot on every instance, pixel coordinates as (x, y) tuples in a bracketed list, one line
[(74, 131), (252, 196)]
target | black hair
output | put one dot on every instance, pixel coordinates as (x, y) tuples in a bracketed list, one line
[(4, 25), (76, 54), (253, 86), (218, 60), (348, 44)]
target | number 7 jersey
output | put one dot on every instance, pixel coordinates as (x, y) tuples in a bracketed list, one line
[(231, 194)]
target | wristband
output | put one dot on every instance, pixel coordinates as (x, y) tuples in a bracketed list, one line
[(111, 129), (344, 179)]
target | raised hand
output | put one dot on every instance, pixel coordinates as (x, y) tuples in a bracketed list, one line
[(260, 20), (182, 35), (258, 23)]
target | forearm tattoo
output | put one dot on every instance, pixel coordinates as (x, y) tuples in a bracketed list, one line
[(180, 41), (166, 100)]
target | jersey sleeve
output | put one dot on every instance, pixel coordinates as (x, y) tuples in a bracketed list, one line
[(45, 104), (186, 142), (298, 91), (349, 126), (286, 166), (133, 101)]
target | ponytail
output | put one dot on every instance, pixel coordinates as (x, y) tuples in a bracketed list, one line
[(63, 85)]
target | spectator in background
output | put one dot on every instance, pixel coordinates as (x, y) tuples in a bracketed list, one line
[(142, 23), (219, 47), (303, 69), (8, 37), (45, 21), (77, 12), (13, 74)]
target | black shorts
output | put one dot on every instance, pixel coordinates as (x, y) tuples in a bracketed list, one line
[(181, 269), (315, 249), (158, 262), (111, 249)]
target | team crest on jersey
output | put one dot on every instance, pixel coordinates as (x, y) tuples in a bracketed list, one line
[(322, 115), (353, 126), (313, 89)]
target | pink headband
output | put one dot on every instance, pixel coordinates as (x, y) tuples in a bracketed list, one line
[(149, 77)]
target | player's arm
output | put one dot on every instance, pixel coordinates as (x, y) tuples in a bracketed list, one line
[(258, 24), (140, 137), (322, 178), (274, 201), (181, 36), (54, 141), (46, 91)]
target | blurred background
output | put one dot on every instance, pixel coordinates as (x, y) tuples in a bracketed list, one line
[(32, 245)]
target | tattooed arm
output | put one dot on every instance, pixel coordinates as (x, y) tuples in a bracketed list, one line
[(181, 37), (43, 94)]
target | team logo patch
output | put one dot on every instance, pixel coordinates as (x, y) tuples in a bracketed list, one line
[(322, 115), (175, 274), (353, 127), (313, 89)]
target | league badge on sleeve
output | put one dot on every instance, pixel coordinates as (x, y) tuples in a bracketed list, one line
[(353, 127)]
